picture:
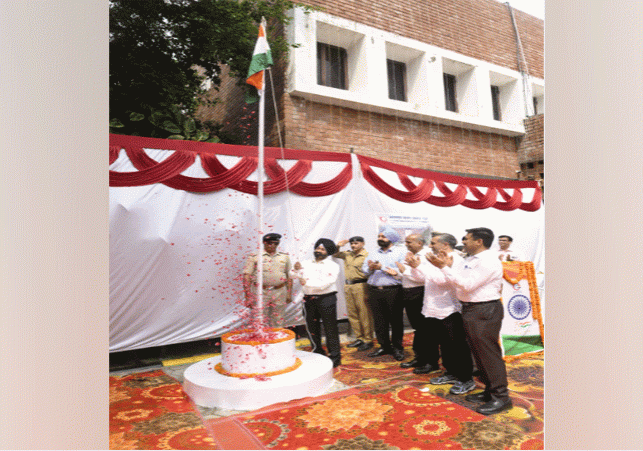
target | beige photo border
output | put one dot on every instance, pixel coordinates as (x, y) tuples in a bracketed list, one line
[(54, 224)]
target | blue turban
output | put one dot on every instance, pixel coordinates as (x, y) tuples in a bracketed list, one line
[(390, 234)]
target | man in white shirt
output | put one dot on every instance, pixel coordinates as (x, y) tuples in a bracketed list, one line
[(505, 254), (441, 312), (478, 283), (318, 279), (425, 347)]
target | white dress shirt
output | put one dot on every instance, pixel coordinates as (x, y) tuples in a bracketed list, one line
[(320, 276), (440, 298), (515, 256), (477, 278), (409, 279)]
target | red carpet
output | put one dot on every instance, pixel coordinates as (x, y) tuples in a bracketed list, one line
[(151, 411), (385, 409), (398, 417)]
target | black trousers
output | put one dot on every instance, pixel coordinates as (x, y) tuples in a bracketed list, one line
[(456, 355), (388, 311), (323, 309), (482, 322), (425, 343)]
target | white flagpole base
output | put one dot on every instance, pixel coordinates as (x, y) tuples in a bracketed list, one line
[(208, 388)]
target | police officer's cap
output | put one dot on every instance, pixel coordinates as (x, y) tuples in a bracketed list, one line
[(271, 237), (356, 238)]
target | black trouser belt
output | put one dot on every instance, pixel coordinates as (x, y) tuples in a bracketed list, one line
[(313, 297), (482, 302), (387, 287), (411, 289), (354, 281)]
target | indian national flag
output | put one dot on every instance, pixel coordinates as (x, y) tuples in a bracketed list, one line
[(261, 59)]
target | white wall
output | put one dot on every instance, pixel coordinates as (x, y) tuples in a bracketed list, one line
[(176, 257), (368, 49)]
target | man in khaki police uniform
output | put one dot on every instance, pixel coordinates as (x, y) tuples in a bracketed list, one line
[(277, 286), (359, 315)]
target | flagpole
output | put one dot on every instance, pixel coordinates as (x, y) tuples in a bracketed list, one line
[(260, 175), (261, 59)]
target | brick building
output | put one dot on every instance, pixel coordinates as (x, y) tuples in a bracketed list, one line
[(455, 86)]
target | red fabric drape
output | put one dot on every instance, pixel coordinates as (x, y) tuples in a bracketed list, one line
[(451, 197), (417, 194), (485, 200), (169, 171), (224, 176), (335, 185), (113, 153), (515, 201), (149, 173), (278, 176)]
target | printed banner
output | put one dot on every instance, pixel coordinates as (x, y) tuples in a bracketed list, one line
[(405, 225), (521, 328)]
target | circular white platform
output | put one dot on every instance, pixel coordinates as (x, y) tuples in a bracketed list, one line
[(208, 388)]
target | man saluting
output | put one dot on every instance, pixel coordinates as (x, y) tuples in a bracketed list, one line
[(359, 315)]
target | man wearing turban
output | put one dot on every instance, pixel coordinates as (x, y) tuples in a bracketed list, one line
[(318, 279), (384, 292)]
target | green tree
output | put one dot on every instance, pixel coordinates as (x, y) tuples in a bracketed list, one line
[(162, 51)]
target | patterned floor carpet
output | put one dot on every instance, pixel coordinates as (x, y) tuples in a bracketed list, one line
[(385, 407), (151, 411), (526, 384), (398, 417)]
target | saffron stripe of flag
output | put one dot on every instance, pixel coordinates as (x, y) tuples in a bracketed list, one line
[(261, 59)]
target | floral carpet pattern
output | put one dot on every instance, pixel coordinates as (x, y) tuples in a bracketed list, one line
[(402, 418), (525, 375), (151, 411), (386, 407)]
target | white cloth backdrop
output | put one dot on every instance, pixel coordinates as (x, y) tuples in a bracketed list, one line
[(176, 256)]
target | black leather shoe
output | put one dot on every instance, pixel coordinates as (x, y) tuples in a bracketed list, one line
[(495, 406), (355, 344), (379, 352), (478, 397), (410, 364), (337, 363), (426, 369), (398, 354), (365, 346)]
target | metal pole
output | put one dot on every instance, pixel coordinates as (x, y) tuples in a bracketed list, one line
[(260, 174)]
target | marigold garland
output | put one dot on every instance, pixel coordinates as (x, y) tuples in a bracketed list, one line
[(227, 337), (219, 368), (535, 297), (526, 270), (510, 268)]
